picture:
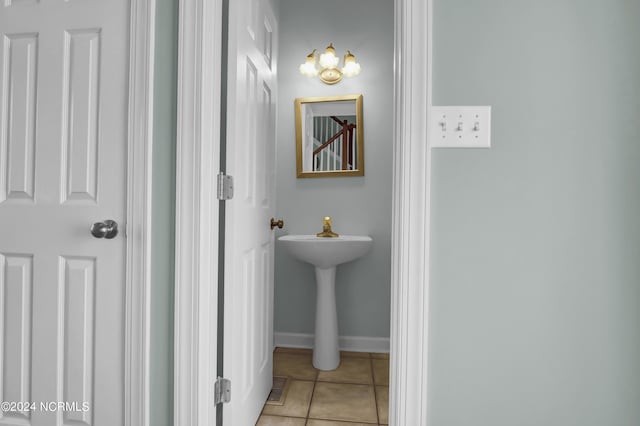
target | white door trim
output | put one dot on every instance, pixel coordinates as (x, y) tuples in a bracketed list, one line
[(138, 226), (411, 216), (197, 162), (200, 42)]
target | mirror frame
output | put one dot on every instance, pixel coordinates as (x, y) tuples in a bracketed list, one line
[(359, 137)]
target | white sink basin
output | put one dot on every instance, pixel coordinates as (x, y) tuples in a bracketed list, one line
[(325, 252)]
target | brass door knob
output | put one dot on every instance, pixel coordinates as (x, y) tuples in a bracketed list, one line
[(279, 223)]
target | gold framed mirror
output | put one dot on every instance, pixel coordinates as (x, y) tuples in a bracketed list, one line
[(329, 136)]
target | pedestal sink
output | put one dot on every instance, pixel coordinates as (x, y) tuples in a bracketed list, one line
[(325, 254)]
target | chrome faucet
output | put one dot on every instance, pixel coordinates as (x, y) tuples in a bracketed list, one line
[(326, 229)]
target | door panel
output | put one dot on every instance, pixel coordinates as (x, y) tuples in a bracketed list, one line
[(16, 282), (17, 165), (76, 332), (249, 240), (63, 134), (80, 115)]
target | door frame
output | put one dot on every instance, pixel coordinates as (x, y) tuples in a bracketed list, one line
[(197, 212), (138, 216)]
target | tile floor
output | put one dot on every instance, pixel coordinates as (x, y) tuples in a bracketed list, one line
[(355, 394)]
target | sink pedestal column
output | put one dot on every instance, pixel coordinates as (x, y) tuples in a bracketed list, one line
[(325, 351)]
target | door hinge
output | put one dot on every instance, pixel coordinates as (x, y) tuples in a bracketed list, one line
[(222, 391), (225, 187)]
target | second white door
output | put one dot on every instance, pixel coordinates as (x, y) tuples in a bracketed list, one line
[(249, 240)]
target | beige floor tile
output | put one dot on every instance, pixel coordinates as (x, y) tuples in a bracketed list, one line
[(381, 371), (382, 397), (297, 402), (298, 351), (345, 354), (280, 421), (379, 355), (351, 370), (315, 422), (296, 366), (344, 402)]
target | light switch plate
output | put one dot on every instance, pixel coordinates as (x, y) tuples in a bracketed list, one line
[(460, 127)]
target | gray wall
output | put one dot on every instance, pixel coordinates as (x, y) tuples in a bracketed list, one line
[(163, 219), (358, 205), (536, 242)]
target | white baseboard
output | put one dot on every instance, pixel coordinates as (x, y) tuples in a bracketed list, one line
[(345, 343)]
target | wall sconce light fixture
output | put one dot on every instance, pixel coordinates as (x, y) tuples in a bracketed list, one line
[(330, 74)]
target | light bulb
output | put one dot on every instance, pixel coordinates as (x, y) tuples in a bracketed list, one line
[(351, 67), (329, 59), (307, 70), (309, 67)]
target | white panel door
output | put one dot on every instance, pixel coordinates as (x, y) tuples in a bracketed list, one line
[(63, 136), (249, 240)]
